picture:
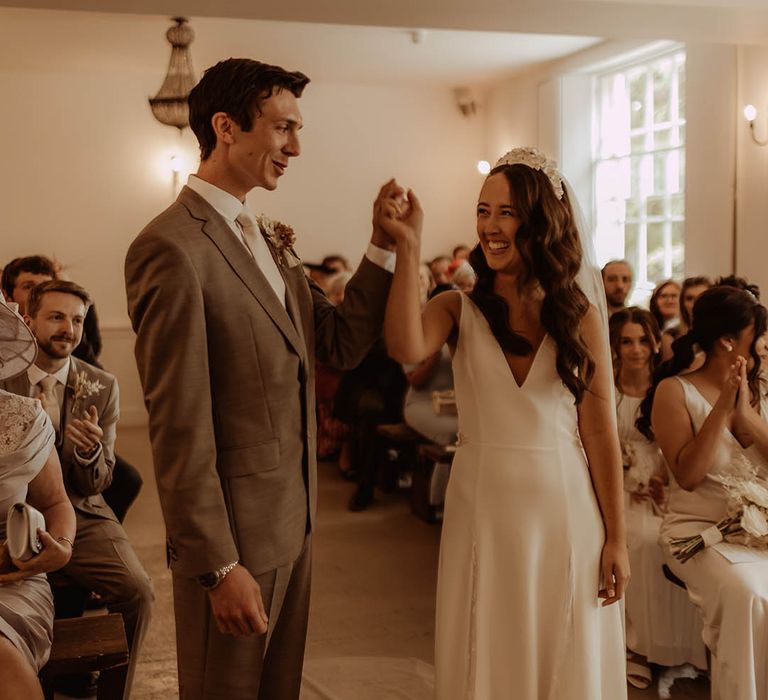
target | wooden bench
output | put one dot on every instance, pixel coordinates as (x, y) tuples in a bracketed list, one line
[(430, 457), (86, 644)]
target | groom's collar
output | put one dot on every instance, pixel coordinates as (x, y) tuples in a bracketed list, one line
[(223, 202)]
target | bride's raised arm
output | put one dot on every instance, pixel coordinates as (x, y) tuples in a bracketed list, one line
[(411, 335)]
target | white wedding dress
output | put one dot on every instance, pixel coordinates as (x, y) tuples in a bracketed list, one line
[(517, 609)]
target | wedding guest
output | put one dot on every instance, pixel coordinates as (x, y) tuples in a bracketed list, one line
[(665, 306), (661, 625), (464, 277), (533, 530), (336, 286), (691, 290), (337, 263), (82, 402), (19, 277), (440, 267), (617, 281), (368, 395), (461, 253), (739, 283), (426, 282), (29, 471), (232, 416), (708, 422), (331, 432)]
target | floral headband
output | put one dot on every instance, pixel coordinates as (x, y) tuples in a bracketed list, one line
[(535, 159)]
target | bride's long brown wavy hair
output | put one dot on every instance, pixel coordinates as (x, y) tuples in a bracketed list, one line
[(548, 243)]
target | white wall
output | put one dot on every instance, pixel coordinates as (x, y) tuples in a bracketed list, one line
[(752, 182), (85, 165)]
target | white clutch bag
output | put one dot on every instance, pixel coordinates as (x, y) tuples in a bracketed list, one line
[(21, 531)]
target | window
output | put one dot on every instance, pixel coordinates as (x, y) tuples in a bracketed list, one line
[(639, 168)]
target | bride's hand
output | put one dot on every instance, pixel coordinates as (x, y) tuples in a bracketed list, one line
[(400, 218), (614, 572)]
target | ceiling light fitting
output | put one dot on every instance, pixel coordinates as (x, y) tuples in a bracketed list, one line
[(170, 104)]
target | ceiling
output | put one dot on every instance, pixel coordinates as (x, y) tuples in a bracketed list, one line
[(399, 42), (102, 42), (731, 21)]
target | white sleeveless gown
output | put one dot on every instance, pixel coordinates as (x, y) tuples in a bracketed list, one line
[(517, 609)]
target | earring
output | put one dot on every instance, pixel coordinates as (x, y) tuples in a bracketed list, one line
[(729, 347)]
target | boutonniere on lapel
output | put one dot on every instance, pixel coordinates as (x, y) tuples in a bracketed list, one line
[(83, 389), (282, 238)]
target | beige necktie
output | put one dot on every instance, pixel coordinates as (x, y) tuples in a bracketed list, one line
[(51, 402), (259, 250)]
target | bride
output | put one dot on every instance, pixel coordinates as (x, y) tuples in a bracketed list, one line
[(533, 535)]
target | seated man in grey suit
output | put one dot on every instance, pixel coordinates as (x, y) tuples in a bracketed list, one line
[(82, 402), (228, 328)]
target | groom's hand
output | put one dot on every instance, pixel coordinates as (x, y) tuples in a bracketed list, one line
[(237, 605), (380, 237)]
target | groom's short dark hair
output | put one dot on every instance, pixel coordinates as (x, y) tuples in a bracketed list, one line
[(237, 86)]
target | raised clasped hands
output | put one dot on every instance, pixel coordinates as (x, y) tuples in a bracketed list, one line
[(237, 604), (743, 413), (52, 557), (398, 215)]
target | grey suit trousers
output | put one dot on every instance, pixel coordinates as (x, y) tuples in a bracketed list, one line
[(104, 561), (258, 667)]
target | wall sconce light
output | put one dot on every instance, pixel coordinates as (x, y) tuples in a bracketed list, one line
[(750, 114), (170, 104), (180, 169), (483, 167)]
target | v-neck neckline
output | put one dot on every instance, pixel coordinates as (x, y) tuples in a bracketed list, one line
[(728, 431), (537, 352)]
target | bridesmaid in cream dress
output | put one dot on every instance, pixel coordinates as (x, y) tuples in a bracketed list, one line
[(662, 627), (529, 546), (705, 421)]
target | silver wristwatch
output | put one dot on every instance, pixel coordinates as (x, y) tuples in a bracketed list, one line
[(210, 580)]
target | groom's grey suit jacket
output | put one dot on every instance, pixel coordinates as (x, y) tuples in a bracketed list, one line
[(228, 377)]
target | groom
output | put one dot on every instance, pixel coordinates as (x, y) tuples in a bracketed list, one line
[(228, 329)]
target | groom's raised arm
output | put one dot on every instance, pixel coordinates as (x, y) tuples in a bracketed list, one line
[(165, 303), (345, 333)]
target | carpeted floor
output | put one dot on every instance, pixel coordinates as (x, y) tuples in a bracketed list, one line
[(371, 624)]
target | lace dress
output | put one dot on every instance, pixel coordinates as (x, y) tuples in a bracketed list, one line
[(517, 609), (26, 441)]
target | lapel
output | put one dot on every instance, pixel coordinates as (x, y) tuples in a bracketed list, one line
[(66, 411), (217, 230)]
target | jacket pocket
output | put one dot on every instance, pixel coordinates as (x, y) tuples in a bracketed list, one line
[(249, 459)]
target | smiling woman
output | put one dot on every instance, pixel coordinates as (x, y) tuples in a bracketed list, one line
[(533, 531)]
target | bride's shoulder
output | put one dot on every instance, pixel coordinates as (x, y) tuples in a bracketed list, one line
[(450, 301)]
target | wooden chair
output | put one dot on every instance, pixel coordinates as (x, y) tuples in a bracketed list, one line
[(86, 644)]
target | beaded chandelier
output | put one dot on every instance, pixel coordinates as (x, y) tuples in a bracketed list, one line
[(170, 104)]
